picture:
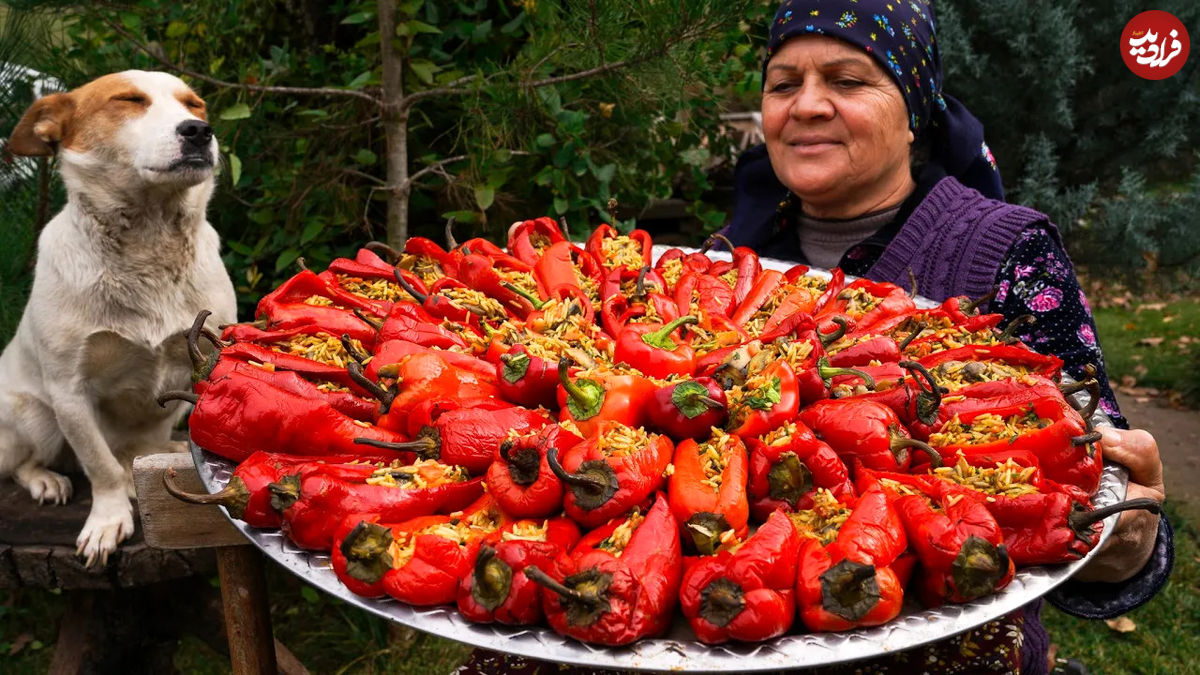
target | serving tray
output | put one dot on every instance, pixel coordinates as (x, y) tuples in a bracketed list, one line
[(678, 650)]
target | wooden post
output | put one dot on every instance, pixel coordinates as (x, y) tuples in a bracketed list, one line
[(247, 620)]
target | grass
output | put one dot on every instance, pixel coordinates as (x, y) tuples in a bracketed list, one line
[(1130, 335)]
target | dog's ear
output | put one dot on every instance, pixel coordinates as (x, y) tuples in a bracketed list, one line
[(42, 127)]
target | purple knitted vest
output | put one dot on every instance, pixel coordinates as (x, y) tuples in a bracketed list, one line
[(954, 242)]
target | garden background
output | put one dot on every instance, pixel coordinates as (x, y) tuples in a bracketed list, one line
[(611, 111)]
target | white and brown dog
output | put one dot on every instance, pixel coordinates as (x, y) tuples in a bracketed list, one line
[(121, 273)]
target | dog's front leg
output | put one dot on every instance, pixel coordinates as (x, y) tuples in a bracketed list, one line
[(111, 519)]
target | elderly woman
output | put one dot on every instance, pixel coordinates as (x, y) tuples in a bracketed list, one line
[(870, 167)]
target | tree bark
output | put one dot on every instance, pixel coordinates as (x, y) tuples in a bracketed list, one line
[(395, 127)]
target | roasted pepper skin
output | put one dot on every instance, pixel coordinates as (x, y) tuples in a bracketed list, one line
[(603, 396), (688, 408), (470, 437), (408, 321), (520, 477), (497, 591), (748, 595), (520, 240), (858, 561), (595, 244), (761, 419), (709, 293), (786, 476), (345, 402), (863, 430), (657, 349), (601, 486), (324, 500), (526, 379), (893, 301), (618, 600), (240, 414), (696, 504)]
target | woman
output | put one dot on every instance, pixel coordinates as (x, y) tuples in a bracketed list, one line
[(852, 90), (851, 96)]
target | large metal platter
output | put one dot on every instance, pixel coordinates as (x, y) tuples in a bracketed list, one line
[(679, 651)]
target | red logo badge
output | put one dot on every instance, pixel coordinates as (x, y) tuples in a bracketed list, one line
[(1155, 45)]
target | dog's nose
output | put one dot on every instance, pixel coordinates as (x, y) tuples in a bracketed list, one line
[(195, 133)]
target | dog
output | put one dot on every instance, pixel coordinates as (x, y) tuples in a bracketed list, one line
[(121, 273)]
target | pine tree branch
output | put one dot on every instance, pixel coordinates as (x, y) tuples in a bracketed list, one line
[(267, 89), (434, 167)]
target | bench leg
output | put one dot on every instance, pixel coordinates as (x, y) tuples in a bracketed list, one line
[(247, 615)]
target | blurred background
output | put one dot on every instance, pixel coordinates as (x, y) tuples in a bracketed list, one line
[(631, 112)]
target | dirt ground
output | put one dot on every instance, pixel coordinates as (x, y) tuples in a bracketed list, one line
[(1178, 436)]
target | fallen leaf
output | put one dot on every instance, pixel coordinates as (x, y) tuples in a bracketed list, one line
[(1169, 318), (1152, 307), (1150, 341), (19, 643), (1185, 339), (1136, 357), (1128, 381), (1121, 624), (1140, 370), (1131, 326)]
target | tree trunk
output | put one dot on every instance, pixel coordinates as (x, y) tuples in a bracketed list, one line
[(395, 127)]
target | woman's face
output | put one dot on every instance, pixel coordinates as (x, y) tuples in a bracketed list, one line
[(836, 128)]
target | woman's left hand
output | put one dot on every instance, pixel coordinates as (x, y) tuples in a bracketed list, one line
[(1132, 542)]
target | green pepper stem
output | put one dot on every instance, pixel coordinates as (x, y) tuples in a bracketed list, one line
[(537, 302), (930, 398), (836, 334), (451, 243), (573, 390), (661, 338), (974, 305), (422, 446), (827, 372), (408, 288), (383, 250), (302, 264), (168, 396), (1082, 520)]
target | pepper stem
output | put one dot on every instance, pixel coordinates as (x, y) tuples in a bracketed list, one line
[(537, 302), (979, 566), (849, 589), (233, 497), (384, 251), (372, 321), (537, 576), (714, 239), (900, 445), (1092, 385), (284, 492), (1086, 438), (427, 445), (974, 305), (593, 485), (168, 396), (366, 551), (1009, 334), (836, 334), (523, 465), (583, 605), (640, 287), (360, 357), (385, 396), (721, 602), (911, 336), (930, 397), (492, 580), (705, 529), (585, 400), (201, 366), (827, 372), (1083, 520), (451, 243), (408, 288), (661, 338)]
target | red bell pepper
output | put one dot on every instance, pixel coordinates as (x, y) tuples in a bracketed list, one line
[(1017, 358), (788, 466), (421, 561), (468, 437), (764, 402), (241, 413), (497, 590), (655, 350), (427, 375), (747, 595), (528, 240), (697, 293), (602, 395), (512, 284), (520, 477), (845, 576), (688, 408), (740, 273), (867, 431), (613, 470), (314, 502), (674, 263), (427, 260), (632, 282), (707, 490), (611, 248), (526, 379), (564, 266), (618, 590), (411, 323), (247, 496), (343, 399), (618, 311), (864, 303)]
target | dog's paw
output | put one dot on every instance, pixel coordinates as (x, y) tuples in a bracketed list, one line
[(45, 485), (110, 523)]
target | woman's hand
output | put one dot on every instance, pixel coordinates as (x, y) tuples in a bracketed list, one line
[(1132, 542)]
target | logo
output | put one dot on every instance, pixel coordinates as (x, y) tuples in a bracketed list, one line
[(1155, 45)]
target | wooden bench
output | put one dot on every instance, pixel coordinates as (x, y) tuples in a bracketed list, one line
[(128, 615)]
